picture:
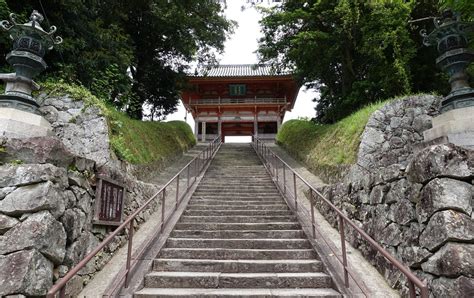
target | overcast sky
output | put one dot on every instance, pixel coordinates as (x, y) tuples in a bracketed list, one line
[(240, 48)]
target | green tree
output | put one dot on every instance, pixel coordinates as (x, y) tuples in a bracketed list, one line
[(168, 36), (130, 52), (426, 77), (354, 52), (465, 7)]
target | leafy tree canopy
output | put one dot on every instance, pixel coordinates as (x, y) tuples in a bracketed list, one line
[(354, 52), (130, 52)]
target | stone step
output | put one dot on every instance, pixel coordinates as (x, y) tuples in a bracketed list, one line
[(238, 226), (224, 186), (237, 219), (237, 193), (235, 266), (249, 169), (227, 201), (275, 206), (237, 185), (238, 243), (228, 253), (227, 293), (233, 183), (239, 234), (239, 197), (237, 212), (236, 280), (238, 181), (238, 177)]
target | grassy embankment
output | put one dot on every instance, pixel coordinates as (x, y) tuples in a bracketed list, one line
[(135, 141), (326, 150)]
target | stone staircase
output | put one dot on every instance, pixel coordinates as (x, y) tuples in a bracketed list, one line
[(237, 237)]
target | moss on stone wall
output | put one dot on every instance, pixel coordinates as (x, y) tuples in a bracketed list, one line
[(135, 141)]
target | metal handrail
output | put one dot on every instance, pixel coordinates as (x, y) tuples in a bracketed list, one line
[(272, 161), (197, 165)]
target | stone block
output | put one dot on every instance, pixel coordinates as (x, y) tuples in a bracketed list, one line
[(453, 124), (25, 272), (73, 221), (40, 231), (453, 287), (391, 235), (447, 226), (452, 260), (442, 194), (15, 123), (413, 256), (6, 191), (33, 198), (37, 150), (402, 190), (25, 174), (411, 233), (79, 249), (440, 161), (6, 223), (402, 212)]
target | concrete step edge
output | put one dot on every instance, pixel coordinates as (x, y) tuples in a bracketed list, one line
[(236, 292)]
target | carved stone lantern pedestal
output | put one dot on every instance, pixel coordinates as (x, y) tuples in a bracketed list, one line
[(19, 116), (456, 122)]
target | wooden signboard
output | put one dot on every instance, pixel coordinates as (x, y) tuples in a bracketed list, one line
[(109, 200)]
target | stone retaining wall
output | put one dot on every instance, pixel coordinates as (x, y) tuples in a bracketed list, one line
[(82, 129), (47, 196), (46, 210), (417, 205)]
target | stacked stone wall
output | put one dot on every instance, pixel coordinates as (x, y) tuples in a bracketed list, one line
[(415, 202), (47, 199)]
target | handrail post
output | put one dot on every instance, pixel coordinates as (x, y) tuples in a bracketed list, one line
[(199, 164), (295, 191), (177, 193), (343, 248), (129, 253), (194, 170), (62, 292), (411, 288), (284, 180), (312, 213), (424, 292), (276, 167), (163, 210), (187, 175)]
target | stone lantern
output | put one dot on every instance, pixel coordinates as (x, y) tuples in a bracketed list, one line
[(19, 116), (456, 122)]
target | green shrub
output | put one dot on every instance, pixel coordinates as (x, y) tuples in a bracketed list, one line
[(321, 146)]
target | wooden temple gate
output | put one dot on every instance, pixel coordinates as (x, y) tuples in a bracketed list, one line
[(239, 100)]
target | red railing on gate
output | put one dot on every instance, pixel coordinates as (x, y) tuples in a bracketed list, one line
[(280, 170), (190, 172)]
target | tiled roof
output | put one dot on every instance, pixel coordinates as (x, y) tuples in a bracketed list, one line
[(239, 70)]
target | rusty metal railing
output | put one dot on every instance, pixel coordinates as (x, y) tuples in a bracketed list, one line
[(185, 177), (286, 180)]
